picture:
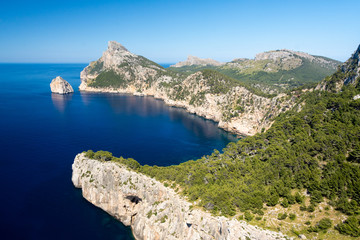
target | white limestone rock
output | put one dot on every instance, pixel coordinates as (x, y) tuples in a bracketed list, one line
[(60, 86), (152, 210)]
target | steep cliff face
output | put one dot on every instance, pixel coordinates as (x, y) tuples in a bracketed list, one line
[(206, 93), (152, 210)]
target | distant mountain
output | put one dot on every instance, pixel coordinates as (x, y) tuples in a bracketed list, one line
[(273, 71), (192, 60)]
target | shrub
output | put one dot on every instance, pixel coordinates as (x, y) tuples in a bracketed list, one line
[(298, 198), (311, 208), (89, 154), (324, 224), (349, 227), (285, 203), (103, 155), (292, 216), (282, 216), (248, 216)]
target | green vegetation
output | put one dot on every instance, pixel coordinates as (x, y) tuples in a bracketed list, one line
[(221, 83), (292, 216), (107, 156), (350, 227), (96, 67), (108, 79), (323, 225), (282, 216), (307, 73)]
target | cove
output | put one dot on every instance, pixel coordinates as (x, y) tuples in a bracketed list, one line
[(42, 132)]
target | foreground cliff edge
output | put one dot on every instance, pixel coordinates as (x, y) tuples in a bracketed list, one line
[(152, 210)]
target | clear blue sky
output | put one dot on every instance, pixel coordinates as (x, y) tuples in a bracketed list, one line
[(168, 31)]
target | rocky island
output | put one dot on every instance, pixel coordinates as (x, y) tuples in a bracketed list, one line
[(60, 86)]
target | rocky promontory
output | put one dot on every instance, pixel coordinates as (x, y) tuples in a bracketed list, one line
[(60, 86), (206, 93), (152, 210)]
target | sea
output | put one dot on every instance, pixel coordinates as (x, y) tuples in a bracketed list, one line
[(41, 133)]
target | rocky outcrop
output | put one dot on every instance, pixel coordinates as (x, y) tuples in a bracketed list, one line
[(347, 73), (210, 95), (192, 60), (152, 210), (60, 86)]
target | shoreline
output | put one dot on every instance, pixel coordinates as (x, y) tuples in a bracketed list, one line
[(233, 131)]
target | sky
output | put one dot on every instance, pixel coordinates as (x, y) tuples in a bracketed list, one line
[(168, 31)]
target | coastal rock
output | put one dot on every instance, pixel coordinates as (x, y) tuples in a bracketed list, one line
[(192, 60), (60, 86), (152, 210)]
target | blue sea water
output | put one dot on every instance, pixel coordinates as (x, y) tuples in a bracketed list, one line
[(41, 132)]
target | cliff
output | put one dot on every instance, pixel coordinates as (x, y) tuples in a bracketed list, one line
[(206, 93), (60, 86), (152, 210)]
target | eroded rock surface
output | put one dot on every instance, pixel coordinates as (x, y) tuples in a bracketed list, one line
[(152, 210)]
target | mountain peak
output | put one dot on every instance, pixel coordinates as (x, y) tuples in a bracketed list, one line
[(114, 46), (281, 54)]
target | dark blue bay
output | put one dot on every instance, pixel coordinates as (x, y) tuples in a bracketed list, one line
[(40, 134)]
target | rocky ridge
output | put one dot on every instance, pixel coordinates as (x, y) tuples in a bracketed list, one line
[(279, 60), (60, 86), (205, 93), (192, 60), (152, 210)]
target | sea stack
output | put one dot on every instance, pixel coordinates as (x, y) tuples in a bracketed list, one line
[(60, 86)]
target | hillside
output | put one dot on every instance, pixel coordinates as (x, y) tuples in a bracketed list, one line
[(273, 71), (300, 177), (236, 106)]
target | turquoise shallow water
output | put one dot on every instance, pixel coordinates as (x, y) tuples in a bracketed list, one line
[(40, 134)]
